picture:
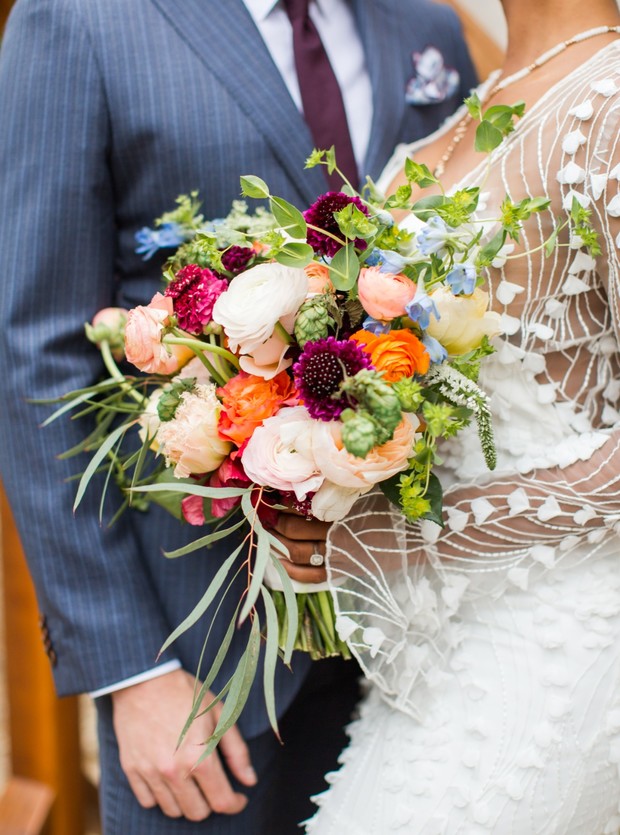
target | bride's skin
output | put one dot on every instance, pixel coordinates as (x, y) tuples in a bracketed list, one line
[(534, 26)]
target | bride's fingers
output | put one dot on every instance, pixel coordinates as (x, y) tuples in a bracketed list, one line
[(297, 527), (304, 574), (303, 551)]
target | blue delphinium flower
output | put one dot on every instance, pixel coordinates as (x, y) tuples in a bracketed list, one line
[(375, 326), (168, 235), (435, 349), (391, 262), (432, 237), (462, 279), (421, 307), (375, 258)]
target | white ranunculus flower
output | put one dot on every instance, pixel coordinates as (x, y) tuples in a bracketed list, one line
[(256, 301), (279, 453)]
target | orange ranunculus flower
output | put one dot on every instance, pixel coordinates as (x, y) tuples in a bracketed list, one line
[(398, 353), (248, 400)]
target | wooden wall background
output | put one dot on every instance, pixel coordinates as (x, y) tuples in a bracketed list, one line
[(43, 730)]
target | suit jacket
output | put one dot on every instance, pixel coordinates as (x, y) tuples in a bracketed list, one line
[(108, 110)]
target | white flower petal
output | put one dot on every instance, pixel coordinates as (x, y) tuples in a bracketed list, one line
[(554, 308), (582, 263), (572, 174), (583, 200), (482, 509), (613, 207), (549, 509), (543, 554), (345, 627), (506, 291), (573, 286), (510, 324), (573, 141), (614, 174), (605, 87), (598, 183), (543, 332), (517, 501), (582, 111)]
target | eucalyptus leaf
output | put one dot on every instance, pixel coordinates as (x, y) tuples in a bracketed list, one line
[(295, 255), (292, 613), (252, 186), (239, 690), (97, 459), (488, 137), (289, 218), (204, 541), (205, 601), (193, 490), (271, 658), (344, 268)]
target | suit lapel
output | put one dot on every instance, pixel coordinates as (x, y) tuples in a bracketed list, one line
[(224, 37), (381, 37)]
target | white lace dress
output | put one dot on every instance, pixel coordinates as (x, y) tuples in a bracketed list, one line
[(494, 659)]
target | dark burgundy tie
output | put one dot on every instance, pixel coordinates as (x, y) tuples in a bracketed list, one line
[(320, 93)]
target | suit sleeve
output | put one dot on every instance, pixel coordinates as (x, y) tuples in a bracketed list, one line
[(58, 240)]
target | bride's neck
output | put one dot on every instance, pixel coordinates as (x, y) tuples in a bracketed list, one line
[(535, 26)]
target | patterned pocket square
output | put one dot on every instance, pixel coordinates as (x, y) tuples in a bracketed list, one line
[(432, 81)]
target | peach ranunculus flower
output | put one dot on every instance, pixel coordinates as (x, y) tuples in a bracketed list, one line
[(346, 470), (384, 295), (191, 440), (464, 320), (143, 338), (318, 279), (398, 353), (248, 400)]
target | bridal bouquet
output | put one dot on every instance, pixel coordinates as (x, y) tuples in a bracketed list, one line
[(296, 360)]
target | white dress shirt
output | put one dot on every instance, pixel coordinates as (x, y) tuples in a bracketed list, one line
[(336, 27)]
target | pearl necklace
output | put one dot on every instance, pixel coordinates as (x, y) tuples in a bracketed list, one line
[(461, 128)]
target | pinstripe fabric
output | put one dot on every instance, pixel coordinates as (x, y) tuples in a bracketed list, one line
[(109, 109)]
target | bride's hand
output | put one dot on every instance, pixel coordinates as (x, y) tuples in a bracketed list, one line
[(304, 539)]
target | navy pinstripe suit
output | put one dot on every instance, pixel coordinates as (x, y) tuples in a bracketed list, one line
[(108, 110)]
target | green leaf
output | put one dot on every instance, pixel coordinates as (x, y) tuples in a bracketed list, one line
[(252, 186), (239, 690), (488, 137), (205, 601), (434, 494), (490, 250), (344, 268), (292, 613), (211, 675), (391, 489), (97, 459), (474, 106), (271, 658), (426, 207), (193, 490), (315, 158), (295, 255), (204, 541), (552, 240), (420, 174), (289, 218), (330, 159)]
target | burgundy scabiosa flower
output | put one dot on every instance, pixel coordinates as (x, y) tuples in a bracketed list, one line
[(321, 368), (236, 258), (194, 291), (321, 214)]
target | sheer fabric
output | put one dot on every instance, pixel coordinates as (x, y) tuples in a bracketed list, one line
[(493, 644)]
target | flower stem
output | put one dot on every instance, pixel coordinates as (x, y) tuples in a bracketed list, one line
[(116, 373)]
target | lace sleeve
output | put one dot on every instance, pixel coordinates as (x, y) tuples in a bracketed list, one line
[(554, 393)]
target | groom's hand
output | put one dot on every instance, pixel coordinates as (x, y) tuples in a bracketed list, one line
[(305, 541), (148, 718)]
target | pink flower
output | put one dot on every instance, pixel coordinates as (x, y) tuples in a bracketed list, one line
[(109, 324), (384, 295), (194, 291), (144, 332), (229, 474), (192, 508)]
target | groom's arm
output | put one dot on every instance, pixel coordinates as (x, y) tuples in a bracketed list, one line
[(58, 241)]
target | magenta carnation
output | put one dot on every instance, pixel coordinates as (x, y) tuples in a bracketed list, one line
[(319, 371), (194, 291), (321, 214), (236, 258)]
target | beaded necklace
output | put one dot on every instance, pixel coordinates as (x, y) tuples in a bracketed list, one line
[(461, 128)]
